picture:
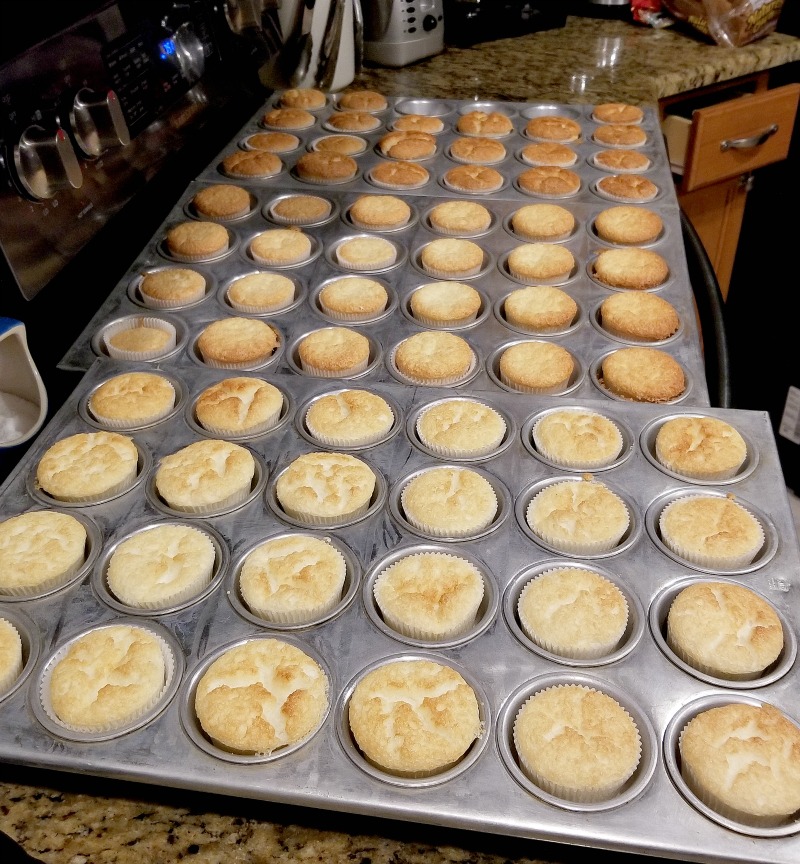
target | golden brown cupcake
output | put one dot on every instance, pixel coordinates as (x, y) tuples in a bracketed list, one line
[(451, 258), (628, 187), (549, 153), (379, 212), (621, 161), (445, 304), (638, 316), (132, 399), (577, 438), (239, 406), (536, 367), (260, 292), (237, 343), (272, 142), (460, 428), (703, 448), (481, 151), (366, 253), (11, 660), (617, 113), (549, 222), (434, 358), (643, 374), (407, 145), (288, 118), (399, 175), (490, 124), (195, 241), (353, 298), (628, 224), (363, 100), (252, 164), (303, 97), (281, 247), (171, 287), (349, 418), (334, 352), (352, 121), (222, 201), (549, 180), (320, 167), (540, 309), (537, 262), (419, 123), (344, 145), (561, 129), (473, 178), (633, 268), (300, 209), (460, 217), (620, 135)]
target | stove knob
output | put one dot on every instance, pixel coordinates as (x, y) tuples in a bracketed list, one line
[(97, 122), (44, 163)]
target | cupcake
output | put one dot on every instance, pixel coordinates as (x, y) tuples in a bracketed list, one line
[(88, 467), (272, 142), (10, 655), (577, 438), (743, 762), (308, 98), (407, 145), (260, 696), (431, 596), (634, 268), (549, 222), (549, 181), (399, 175), (352, 121), (334, 352), (639, 317), (701, 448), (549, 153), (553, 128), (326, 488), (322, 167), (39, 551), (260, 293), (451, 258), (473, 178), (252, 164), (488, 124), (419, 123), (643, 375), (619, 135), (724, 630), (460, 217), (353, 298), (349, 418), (222, 201), (288, 118), (627, 187), (237, 343), (379, 212), (300, 209), (344, 145), (540, 309), (628, 225), (460, 428), (205, 477), (132, 399), (172, 287), (107, 678), (239, 406), (161, 566), (362, 100), (573, 612), (445, 304), (576, 743), (414, 718), (477, 151), (281, 247), (434, 358), (196, 241), (578, 517), (292, 580), (449, 502), (711, 531), (537, 262), (536, 367), (621, 161), (617, 113), (139, 338), (366, 253)]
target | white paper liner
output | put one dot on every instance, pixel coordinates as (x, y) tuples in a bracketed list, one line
[(256, 310), (13, 670), (109, 492), (464, 161), (295, 261), (385, 226), (438, 273), (526, 388), (120, 326), (299, 220), (387, 261), (435, 531), (351, 316), (461, 452), (438, 382), (617, 170), (224, 431), (721, 474), (160, 303), (326, 181), (315, 144), (142, 419), (544, 163), (445, 322), (695, 662), (42, 586), (233, 500), (200, 581), (311, 369), (608, 146), (140, 711), (315, 519), (400, 186), (287, 149), (456, 188), (244, 364)]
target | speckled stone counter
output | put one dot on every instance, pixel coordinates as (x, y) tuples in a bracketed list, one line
[(75, 819)]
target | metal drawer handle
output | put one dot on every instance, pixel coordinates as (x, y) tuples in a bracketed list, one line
[(746, 143)]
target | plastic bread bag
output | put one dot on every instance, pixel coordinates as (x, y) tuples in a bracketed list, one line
[(731, 23)]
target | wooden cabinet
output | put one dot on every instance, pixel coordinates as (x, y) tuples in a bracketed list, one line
[(715, 139)]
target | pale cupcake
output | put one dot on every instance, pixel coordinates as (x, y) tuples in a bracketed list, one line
[(578, 517), (454, 258), (88, 467), (702, 448), (743, 761), (577, 743), (326, 488), (633, 268), (132, 399), (414, 718), (353, 298), (577, 438), (379, 212), (473, 178), (139, 338), (222, 201), (205, 477), (261, 696), (461, 428), (711, 531), (434, 358), (536, 367), (161, 567), (261, 293), (366, 253), (460, 217), (107, 678), (11, 660), (430, 596), (540, 309), (349, 418), (573, 612), (258, 164), (172, 287), (628, 224), (549, 222), (449, 502), (239, 406), (553, 128), (237, 343), (334, 352), (724, 630), (39, 551), (321, 166), (540, 262), (292, 580), (281, 247), (300, 209), (308, 98), (445, 304)]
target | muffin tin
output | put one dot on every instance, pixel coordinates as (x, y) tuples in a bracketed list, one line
[(487, 791)]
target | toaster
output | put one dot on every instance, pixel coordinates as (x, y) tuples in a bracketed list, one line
[(399, 32)]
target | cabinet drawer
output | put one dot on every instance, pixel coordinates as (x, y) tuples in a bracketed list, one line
[(739, 135)]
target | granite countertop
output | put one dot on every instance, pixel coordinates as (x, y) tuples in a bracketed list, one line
[(75, 819)]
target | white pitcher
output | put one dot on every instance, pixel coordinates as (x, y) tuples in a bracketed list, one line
[(23, 398)]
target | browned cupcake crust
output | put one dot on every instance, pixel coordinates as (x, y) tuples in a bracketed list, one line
[(620, 136), (549, 153), (617, 113), (628, 187), (303, 97), (489, 124), (251, 163), (344, 145), (197, 239), (643, 374), (634, 268), (478, 150), (400, 175), (288, 118), (549, 180), (561, 129), (628, 224), (418, 123), (352, 121), (363, 100), (222, 201), (639, 316), (621, 160), (407, 145), (273, 142), (326, 167), (473, 178)]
